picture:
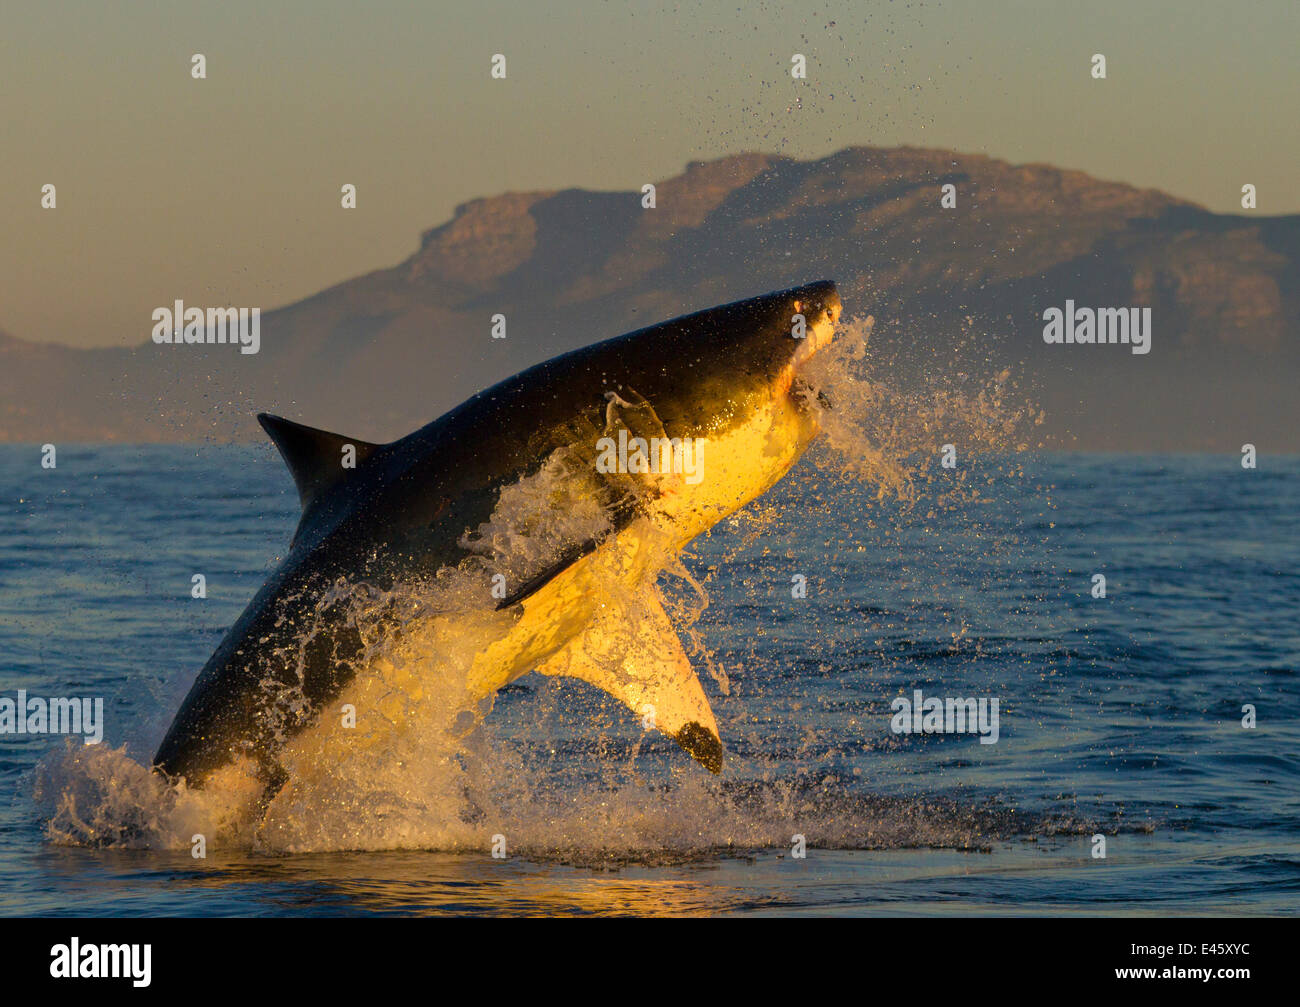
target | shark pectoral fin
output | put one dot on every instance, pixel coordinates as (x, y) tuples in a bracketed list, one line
[(632, 652), (631, 422), (631, 411)]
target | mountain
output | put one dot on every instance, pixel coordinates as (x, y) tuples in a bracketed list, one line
[(382, 354)]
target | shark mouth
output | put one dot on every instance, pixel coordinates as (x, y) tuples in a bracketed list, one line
[(820, 335)]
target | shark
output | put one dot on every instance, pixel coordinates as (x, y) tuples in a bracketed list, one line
[(650, 438)]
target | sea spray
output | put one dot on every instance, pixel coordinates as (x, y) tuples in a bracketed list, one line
[(559, 769), (889, 430)]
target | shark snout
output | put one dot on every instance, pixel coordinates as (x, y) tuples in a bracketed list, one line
[(820, 306)]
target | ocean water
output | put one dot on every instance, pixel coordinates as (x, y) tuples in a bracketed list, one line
[(1119, 716)]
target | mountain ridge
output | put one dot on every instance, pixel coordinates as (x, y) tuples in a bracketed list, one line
[(382, 353)]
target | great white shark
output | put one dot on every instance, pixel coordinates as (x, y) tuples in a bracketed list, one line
[(714, 395)]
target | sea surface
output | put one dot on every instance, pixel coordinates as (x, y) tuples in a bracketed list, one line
[(1119, 717)]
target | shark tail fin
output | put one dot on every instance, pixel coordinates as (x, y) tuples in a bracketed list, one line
[(317, 459), (636, 657)]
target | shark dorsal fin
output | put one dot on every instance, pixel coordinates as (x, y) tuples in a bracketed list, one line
[(315, 457)]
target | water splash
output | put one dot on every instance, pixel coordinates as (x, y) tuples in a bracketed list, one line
[(889, 431), (427, 768)]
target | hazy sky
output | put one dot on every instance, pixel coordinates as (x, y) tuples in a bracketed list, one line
[(225, 191)]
